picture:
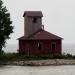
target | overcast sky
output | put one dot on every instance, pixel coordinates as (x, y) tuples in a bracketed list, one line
[(59, 17)]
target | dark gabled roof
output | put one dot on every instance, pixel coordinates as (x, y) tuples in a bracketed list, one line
[(33, 13), (41, 35)]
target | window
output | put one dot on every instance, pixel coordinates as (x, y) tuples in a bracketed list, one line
[(53, 46), (34, 20), (39, 46)]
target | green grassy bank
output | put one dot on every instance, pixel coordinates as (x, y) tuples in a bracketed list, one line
[(21, 57)]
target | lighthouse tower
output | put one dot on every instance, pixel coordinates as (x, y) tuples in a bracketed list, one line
[(32, 22)]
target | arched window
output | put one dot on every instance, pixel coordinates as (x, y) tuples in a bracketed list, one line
[(53, 46), (40, 46)]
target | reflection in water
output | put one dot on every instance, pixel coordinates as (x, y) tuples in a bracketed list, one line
[(40, 70)]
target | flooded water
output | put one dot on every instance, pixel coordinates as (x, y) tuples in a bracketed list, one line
[(39, 70)]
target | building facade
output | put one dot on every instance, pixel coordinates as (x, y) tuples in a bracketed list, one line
[(37, 41)]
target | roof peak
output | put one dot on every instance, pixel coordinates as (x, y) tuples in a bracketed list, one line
[(41, 35)]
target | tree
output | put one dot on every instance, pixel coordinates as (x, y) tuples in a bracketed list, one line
[(5, 25)]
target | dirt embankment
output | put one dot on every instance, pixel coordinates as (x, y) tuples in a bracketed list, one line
[(41, 62)]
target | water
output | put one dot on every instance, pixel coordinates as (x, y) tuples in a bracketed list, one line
[(42, 70)]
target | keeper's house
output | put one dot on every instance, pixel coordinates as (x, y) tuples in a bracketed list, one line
[(37, 41)]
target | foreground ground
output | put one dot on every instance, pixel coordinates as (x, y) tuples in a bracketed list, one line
[(37, 70), (21, 59)]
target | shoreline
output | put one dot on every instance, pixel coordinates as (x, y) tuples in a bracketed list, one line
[(49, 62)]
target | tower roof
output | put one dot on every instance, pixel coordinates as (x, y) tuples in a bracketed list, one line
[(33, 13)]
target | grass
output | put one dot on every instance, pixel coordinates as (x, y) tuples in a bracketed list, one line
[(21, 57)]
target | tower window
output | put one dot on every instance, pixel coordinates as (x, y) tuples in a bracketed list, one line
[(34, 20)]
